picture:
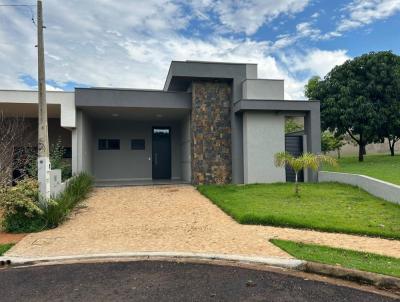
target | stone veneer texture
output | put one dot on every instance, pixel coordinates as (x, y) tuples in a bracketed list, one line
[(211, 133)]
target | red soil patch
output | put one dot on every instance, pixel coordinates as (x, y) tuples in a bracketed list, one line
[(10, 238)]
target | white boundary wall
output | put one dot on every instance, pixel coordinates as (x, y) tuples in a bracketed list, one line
[(379, 188)]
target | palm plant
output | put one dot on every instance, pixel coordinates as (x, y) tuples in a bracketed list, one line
[(304, 161)]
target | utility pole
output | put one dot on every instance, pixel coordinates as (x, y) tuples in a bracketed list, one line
[(43, 132)]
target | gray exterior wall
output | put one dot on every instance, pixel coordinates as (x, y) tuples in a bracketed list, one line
[(126, 164), (56, 132), (263, 137), (186, 157), (82, 160), (131, 98), (263, 89)]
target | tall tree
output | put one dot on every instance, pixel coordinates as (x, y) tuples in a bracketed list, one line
[(356, 96), (389, 90)]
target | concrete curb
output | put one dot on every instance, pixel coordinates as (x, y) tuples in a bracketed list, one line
[(276, 262), (378, 280)]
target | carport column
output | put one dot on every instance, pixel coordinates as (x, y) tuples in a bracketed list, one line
[(77, 151), (312, 127), (74, 148)]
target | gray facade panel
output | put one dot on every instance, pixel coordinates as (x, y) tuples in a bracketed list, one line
[(278, 105), (99, 97), (127, 164)]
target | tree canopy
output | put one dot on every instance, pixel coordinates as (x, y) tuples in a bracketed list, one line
[(361, 98)]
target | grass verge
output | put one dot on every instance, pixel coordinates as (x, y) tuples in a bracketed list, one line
[(383, 167), (347, 258), (4, 248), (329, 207)]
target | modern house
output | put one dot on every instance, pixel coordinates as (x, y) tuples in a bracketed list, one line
[(212, 123)]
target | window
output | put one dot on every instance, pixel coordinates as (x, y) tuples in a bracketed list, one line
[(108, 144), (138, 144)]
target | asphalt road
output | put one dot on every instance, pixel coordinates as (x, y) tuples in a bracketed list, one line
[(165, 281)]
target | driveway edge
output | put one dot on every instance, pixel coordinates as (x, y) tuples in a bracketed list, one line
[(270, 261), (378, 280)]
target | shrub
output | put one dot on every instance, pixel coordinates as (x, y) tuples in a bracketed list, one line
[(56, 159), (26, 211), (21, 207), (76, 191)]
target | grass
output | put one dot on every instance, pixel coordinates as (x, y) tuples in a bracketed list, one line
[(383, 167), (329, 207), (347, 258), (4, 248)]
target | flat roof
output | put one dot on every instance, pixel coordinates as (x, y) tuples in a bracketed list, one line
[(133, 98), (182, 73), (276, 105)]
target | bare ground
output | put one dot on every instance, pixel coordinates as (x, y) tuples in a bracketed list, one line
[(172, 219)]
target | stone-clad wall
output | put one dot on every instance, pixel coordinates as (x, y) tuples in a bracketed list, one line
[(211, 133)]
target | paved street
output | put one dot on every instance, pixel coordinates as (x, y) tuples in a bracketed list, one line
[(166, 281)]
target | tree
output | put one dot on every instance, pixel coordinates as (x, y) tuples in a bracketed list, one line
[(331, 142), (304, 161), (13, 135), (311, 88), (292, 126), (390, 106), (356, 96)]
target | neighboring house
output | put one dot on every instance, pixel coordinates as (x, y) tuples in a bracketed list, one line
[(212, 123)]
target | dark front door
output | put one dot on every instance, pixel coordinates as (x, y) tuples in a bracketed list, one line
[(161, 153), (294, 146)]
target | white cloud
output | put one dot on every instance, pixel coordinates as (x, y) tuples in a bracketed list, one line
[(119, 44), (316, 62), (364, 12), (248, 15)]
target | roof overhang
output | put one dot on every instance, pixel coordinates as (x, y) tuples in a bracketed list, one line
[(131, 98), (182, 73), (295, 107), (24, 103)]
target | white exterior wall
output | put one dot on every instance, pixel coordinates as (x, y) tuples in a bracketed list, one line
[(263, 137), (385, 190), (262, 89), (65, 99)]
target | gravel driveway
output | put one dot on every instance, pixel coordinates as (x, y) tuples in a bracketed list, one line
[(171, 219)]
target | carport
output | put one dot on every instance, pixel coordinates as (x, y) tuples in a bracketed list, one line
[(134, 136)]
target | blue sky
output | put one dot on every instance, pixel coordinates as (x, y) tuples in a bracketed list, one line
[(130, 43)]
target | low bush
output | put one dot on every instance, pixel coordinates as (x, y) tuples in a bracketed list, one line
[(21, 207), (76, 191), (24, 210)]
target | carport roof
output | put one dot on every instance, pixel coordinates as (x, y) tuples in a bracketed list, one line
[(132, 98)]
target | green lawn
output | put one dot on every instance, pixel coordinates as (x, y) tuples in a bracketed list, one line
[(384, 167), (330, 207), (4, 248), (346, 258)]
